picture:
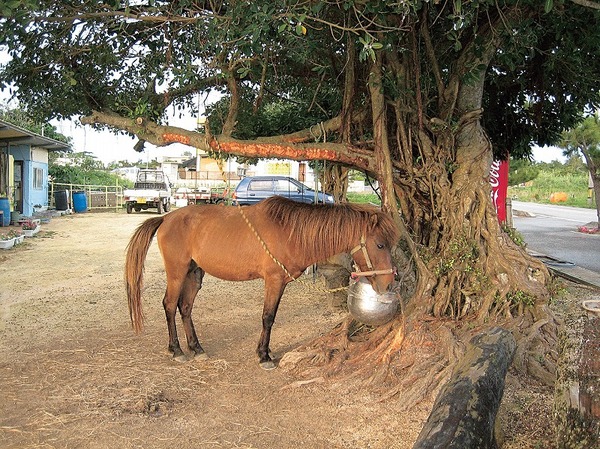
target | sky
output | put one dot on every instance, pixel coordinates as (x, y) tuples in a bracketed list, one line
[(548, 154), (108, 147)]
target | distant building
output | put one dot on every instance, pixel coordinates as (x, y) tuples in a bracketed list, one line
[(205, 170)]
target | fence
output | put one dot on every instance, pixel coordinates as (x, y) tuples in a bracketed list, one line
[(98, 197)]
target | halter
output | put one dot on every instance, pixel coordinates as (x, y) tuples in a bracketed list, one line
[(356, 274)]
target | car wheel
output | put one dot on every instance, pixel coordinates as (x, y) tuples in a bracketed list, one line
[(160, 208), (129, 207), (167, 207)]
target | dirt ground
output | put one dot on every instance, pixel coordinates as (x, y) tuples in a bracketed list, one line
[(74, 375)]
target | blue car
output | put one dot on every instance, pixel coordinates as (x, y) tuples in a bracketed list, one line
[(251, 190)]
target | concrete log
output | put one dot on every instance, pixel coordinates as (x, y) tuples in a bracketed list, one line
[(464, 413)]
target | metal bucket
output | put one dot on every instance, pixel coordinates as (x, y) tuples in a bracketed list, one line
[(368, 307)]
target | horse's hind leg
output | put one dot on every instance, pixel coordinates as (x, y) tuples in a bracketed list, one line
[(170, 302), (191, 286)]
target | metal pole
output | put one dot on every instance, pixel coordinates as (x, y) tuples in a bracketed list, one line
[(509, 214)]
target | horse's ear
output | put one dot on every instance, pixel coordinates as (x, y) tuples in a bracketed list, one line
[(373, 221)]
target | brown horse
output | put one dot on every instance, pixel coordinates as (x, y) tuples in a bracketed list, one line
[(218, 240)]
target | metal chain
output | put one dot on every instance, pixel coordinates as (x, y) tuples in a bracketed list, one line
[(262, 242)]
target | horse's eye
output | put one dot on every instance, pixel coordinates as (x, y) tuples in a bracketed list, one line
[(380, 246)]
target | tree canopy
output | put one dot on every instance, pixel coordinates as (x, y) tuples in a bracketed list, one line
[(418, 94), (289, 60)]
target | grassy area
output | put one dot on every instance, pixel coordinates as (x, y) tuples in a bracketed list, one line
[(354, 197), (575, 185), (570, 178)]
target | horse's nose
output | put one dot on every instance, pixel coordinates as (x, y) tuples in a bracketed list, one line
[(381, 287)]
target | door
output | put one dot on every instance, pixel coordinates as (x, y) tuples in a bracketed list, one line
[(302, 172), (18, 186)]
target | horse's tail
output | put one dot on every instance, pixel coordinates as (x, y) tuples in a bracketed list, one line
[(137, 249)]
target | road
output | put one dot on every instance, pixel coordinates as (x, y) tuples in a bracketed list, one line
[(552, 230)]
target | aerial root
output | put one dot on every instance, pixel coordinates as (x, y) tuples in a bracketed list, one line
[(399, 359)]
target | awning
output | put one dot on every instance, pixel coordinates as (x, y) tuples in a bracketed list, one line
[(12, 134)]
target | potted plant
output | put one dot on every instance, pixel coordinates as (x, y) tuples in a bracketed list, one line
[(30, 227), (17, 235), (6, 241)]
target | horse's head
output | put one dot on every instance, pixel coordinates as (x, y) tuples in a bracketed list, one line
[(372, 255)]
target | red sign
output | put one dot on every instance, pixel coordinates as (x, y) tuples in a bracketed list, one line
[(499, 183)]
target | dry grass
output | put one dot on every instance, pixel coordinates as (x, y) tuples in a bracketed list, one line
[(73, 374)]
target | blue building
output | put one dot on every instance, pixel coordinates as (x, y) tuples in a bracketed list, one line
[(24, 168)]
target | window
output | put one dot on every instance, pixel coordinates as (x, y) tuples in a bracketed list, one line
[(38, 178), (261, 185), (283, 185)]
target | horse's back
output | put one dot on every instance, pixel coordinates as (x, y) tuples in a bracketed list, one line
[(215, 237)]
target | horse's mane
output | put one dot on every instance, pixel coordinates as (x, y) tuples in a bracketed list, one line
[(327, 229)]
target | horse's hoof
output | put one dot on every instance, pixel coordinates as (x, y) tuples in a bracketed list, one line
[(268, 365), (201, 356), (180, 358)]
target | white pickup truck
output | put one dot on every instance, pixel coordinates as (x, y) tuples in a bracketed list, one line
[(152, 190)]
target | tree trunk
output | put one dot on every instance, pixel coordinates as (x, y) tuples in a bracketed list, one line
[(594, 171), (468, 271)]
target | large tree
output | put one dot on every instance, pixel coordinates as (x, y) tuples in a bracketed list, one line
[(418, 94)]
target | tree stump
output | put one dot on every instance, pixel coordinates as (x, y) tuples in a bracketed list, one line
[(464, 413), (336, 273), (577, 399)]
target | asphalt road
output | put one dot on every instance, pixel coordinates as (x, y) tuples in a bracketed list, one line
[(552, 230)]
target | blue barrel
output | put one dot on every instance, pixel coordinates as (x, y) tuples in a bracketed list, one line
[(61, 199), (79, 201), (5, 208)]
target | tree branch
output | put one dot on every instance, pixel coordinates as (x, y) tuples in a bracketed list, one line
[(284, 147), (234, 104)]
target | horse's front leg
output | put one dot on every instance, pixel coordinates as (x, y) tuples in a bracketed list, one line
[(273, 291)]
